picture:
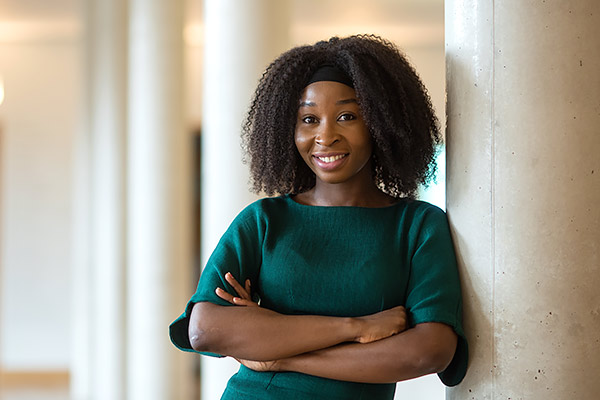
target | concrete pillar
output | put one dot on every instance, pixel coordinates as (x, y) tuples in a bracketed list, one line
[(241, 39), (523, 183), (159, 201), (108, 86)]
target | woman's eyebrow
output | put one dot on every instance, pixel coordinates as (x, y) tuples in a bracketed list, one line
[(307, 104)]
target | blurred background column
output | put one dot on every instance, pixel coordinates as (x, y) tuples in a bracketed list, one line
[(241, 39), (107, 69), (523, 184), (159, 201)]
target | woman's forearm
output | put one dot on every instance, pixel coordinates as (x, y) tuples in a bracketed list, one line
[(424, 349), (256, 333)]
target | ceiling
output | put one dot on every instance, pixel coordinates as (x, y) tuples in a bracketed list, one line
[(308, 11), (62, 18)]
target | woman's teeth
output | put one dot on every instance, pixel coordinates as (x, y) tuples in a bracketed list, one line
[(332, 158)]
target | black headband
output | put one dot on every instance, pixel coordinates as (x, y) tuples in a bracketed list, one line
[(329, 72)]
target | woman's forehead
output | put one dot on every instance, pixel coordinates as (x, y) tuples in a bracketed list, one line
[(327, 92)]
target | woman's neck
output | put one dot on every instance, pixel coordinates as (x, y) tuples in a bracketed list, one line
[(342, 194)]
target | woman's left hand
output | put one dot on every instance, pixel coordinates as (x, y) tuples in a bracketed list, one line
[(244, 293)]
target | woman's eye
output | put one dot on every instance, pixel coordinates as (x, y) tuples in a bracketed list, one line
[(309, 120), (347, 117)]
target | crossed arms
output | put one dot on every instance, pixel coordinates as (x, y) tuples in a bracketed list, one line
[(374, 349)]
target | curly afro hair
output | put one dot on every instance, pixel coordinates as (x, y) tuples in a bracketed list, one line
[(393, 101)]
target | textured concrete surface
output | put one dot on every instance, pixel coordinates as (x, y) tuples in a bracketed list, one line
[(523, 189)]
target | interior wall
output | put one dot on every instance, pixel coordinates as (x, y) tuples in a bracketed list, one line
[(38, 122), (39, 118)]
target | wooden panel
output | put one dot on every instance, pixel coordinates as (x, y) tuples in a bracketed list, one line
[(12, 379)]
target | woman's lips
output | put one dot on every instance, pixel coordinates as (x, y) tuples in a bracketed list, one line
[(329, 162)]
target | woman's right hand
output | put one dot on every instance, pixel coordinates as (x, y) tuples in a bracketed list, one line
[(381, 325)]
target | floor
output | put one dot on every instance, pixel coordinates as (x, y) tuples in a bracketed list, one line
[(34, 394)]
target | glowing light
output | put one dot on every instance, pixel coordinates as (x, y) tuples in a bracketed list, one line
[(193, 34)]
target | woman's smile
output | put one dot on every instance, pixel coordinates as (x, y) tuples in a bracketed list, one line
[(329, 162)]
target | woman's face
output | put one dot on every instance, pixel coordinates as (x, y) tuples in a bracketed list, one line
[(331, 134)]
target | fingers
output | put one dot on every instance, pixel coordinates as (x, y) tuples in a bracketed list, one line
[(238, 301), (400, 312), (402, 318), (243, 302), (383, 324), (243, 293), (248, 288), (224, 295)]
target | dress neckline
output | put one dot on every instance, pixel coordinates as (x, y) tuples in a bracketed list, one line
[(290, 199)]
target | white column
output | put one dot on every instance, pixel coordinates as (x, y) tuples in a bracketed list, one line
[(108, 139), (159, 209), (98, 360), (80, 370), (241, 39), (523, 192)]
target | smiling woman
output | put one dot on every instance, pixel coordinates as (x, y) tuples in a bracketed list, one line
[(334, 141), (356, 281), (394, 105)]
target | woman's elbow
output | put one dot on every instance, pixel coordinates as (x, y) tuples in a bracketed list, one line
[(198, 332), (198, 338), (438, 354), (439, 358)]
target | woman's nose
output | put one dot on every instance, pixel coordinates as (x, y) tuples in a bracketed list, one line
[(327, 135)]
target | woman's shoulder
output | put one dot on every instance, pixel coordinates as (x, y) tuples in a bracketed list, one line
[(264, 208), (255, 217), (425, 207), (419, 208), (268, 204), (421, 216)]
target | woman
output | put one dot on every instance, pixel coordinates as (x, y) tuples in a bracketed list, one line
[(356, 280)]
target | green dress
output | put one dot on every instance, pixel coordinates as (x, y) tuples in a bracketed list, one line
[(373, 259)]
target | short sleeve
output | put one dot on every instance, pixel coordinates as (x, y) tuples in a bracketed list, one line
[(434, 293), (238, 252)]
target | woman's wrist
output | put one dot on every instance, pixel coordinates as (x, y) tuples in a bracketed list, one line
[(291, 364), (356, 326), (281, 365)]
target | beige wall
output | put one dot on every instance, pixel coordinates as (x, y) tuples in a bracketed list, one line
[(39, 119)]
